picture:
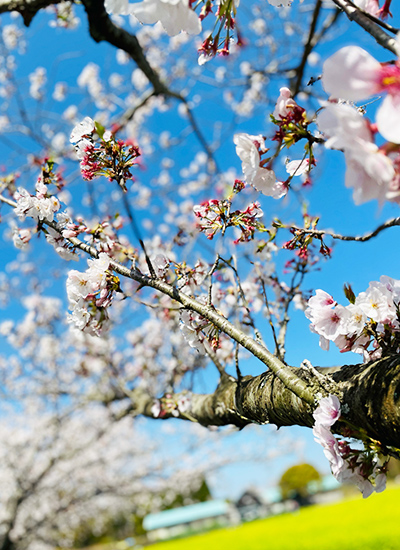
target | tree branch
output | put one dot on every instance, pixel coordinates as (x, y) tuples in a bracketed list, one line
[(102, 28), (286, 374), (310, 43), (369, 396), (372, 28), (28, 9), (325, 233)]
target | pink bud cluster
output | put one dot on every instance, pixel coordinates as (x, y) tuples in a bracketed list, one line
[(371, 319), (215, 44), (361, 467), (105, 156), (304, 243), (90, 294), (215, 215)]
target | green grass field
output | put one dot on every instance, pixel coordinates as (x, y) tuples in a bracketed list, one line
[(357, 524)]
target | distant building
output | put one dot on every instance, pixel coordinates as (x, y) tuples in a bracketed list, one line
[(251, 506), (256, 505), (193, 518)]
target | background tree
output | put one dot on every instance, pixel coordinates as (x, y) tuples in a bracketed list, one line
[(295, 482)]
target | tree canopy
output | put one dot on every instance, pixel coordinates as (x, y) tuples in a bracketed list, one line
[(187, 156)]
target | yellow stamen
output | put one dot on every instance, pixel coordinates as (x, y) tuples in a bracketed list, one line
[(389, 80)]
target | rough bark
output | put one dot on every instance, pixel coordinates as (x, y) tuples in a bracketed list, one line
[(369, 395)]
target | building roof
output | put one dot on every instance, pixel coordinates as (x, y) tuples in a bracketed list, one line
[(186, 514)]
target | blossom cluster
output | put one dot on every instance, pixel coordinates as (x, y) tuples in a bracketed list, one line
[(292, 126), (90, 294), (105, 157), (352, 74), (39, 207), (168, 405), (197, 330), (363, 467), (372, 319), (215, 215)]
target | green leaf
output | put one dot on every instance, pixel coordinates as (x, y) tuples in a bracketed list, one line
[(348, 291)]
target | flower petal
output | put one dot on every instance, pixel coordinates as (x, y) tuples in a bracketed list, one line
[(351, 73)]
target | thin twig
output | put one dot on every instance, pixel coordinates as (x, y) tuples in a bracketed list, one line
[(307, 48), (245, 303), (326, 233), (271, 324), (137, 234), (214, 358), (209, 276)]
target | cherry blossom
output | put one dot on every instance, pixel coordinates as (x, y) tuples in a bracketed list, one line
[(361, 467), (263, 179), (175, 15), (21, 238), (372, 318), (284, 104), (328, 411), (370, 6), (298, 167), (353, 74), (83, 130), (323, 436), (369, 171)]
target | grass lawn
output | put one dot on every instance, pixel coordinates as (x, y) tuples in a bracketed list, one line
[(357, 524)]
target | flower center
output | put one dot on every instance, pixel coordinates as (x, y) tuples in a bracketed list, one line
[(390, 79)]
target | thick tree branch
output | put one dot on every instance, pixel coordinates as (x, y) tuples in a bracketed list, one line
[(369, 394), (372, 28), (102, 28), (28, 9)]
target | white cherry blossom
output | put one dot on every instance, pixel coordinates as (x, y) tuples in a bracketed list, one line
[(354, 74), (262, 179), (174, 15), (84, 129), (368, 170)]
